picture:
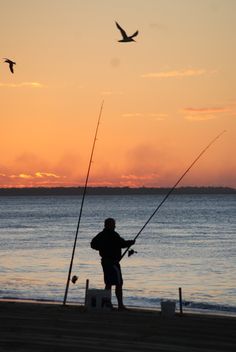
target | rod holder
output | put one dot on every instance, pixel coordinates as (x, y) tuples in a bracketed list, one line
[(180, 302)]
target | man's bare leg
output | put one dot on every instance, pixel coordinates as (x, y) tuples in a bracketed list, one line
[(119, 296), (108, 288)]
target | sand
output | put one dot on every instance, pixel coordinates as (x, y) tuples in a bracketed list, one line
[(27, 326)]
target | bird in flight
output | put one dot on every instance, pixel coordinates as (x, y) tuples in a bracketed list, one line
[(125, 37), (11, 63)]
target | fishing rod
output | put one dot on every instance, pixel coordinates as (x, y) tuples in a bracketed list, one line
[(170, 191), (74, 279)]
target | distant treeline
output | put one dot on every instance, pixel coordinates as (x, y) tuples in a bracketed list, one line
[(75, 191)]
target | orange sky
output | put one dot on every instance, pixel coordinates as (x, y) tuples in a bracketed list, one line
[(165, 96)]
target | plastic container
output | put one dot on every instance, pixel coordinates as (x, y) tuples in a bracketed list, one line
[(98, 300)]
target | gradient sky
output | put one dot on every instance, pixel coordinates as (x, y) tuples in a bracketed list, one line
[(165, 96)]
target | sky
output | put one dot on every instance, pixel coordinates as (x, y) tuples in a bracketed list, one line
[(166, 95)]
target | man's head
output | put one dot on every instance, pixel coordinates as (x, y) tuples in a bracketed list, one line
[(110, 224)]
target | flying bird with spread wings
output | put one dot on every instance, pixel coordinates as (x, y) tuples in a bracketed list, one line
[(11, 64), (125, 37)]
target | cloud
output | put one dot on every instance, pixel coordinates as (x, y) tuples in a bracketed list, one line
[(29, 161), (36, 175), (175, 73), (22, 84), (26, 176), (46, 174), (205, 110), (201, 114), (146, 164), (37, 179), (152, 176), (31, 170), (200, 117), (134, 180)]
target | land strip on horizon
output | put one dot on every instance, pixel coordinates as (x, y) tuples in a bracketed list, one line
[(75, 191)]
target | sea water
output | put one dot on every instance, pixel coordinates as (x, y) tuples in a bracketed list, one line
[(189, 243)]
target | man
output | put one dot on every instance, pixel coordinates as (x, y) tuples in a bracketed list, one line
[(109, 244)]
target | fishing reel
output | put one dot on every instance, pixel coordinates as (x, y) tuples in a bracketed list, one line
[(74, 279), (131, 252)]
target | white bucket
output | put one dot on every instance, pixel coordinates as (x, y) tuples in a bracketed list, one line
[(98, 299), (168, 309)]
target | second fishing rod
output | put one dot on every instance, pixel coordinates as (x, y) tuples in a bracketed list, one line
[(81, 209), (130, 252)]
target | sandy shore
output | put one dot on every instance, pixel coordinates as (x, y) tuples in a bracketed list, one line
[(33, 327)]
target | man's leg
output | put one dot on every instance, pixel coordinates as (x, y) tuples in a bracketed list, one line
[(108, 288), (119, 296)]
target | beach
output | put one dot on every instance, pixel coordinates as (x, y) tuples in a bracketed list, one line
[(35, 326)]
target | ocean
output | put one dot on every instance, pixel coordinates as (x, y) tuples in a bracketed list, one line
[(189, 243)]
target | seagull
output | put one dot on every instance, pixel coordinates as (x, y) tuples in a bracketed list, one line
[(11, 63), (126, 38)]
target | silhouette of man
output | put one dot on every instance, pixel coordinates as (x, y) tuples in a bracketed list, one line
[(109, 244)]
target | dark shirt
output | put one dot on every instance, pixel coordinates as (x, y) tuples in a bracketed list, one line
[(109, 244)]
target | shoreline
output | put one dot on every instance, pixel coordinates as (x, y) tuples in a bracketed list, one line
[(186, 310), (36, 327)]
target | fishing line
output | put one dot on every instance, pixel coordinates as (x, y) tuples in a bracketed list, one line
[(171, 190), (81, 207)]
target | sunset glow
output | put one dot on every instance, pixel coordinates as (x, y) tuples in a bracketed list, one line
[(166, 96)]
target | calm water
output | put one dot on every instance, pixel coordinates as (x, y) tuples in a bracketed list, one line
[(190, 243)]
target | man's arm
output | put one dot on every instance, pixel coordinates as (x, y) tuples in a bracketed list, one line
[(95, 243), (126, 243)]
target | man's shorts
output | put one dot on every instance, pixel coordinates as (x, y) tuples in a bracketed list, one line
[(112, 273)]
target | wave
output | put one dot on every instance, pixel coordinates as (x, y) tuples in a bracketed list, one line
[(144, 303), (155, 303)]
